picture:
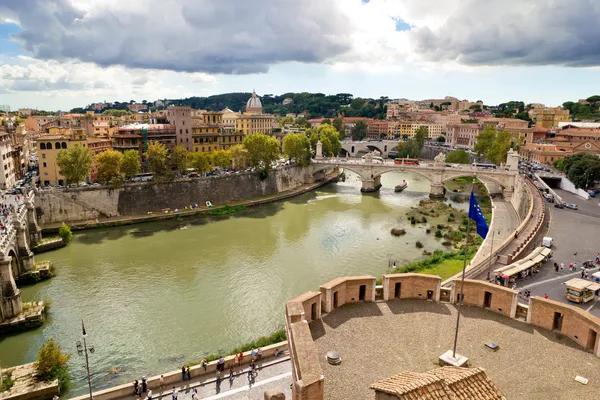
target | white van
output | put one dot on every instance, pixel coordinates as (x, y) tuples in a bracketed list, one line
[(547, 242), (143, 177)]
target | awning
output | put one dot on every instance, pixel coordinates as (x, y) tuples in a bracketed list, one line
[(583, 284)]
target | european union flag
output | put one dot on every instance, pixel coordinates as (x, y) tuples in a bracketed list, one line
[(476, 215)]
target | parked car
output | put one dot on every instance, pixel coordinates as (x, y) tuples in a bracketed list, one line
[(560, 204), (571, 206)]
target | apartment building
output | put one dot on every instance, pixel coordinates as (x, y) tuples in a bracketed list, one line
[(463, 135), (136, 136), (548, 117)]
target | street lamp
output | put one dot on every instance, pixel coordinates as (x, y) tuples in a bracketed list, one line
[(491, 252), (81, 350)]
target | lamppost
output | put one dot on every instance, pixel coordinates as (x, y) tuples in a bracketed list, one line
[(81, 350), (491, 252)]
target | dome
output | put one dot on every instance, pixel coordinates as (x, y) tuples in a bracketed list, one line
[(254, 106)]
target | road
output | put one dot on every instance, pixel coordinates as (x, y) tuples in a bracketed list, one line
[(575, 235)]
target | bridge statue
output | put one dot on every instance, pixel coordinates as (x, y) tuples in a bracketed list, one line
[(440, 159), (319, 150)]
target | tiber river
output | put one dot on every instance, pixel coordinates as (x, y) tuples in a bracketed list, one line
[(155, 295)]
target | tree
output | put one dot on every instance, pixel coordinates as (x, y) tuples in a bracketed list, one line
[(109, 165), (314, 138), (221, 158), (441, 139), (485, 140), (357, 103), (475, 108), (405, 136), (239, 156), (263, 151), (296, 147), (359, 132), (327, 151), (201, 162), (338, 123), (178, 160), (326, 121), (65, 233), (130, 165), (500, 147), (582, 169), (458, 157), (329, 132), (75, 163), (157, 157), (51, 363), (421, 135)]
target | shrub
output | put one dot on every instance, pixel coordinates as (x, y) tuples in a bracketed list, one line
[(413, 220), (7, 381), (441, 226), (438, 234), (65, 233), (424, 220), (446, 243), (419, 245), (465, 221), (428, 231), (51, 363)]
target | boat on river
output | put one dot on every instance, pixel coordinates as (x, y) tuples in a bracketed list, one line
[(401, 186)]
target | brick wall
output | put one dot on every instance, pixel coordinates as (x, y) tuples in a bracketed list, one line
[(580, 326), (499, 299), (412, 286), (340, 291)]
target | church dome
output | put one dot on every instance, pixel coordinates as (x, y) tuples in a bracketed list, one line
[(254, 105)]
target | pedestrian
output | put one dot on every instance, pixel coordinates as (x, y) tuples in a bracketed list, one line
[(582, 273), (194, 395), (221, 364), (562, 266), (161, 382), (546, 296), (218, 380), (259, 354), (189, 375), (253, 353), (144, 385), (136, 388), (236, 359), (174, 394), (183, 373), (241, 358), (586, 274), (571, 267), (555, 267), (149, 394), (204, 363), (231, 372)]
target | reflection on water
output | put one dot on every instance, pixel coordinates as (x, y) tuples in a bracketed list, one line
[(154, 296)]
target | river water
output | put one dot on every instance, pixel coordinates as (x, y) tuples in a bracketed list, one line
[(158, 294)]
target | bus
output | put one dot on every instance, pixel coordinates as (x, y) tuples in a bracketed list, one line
[(485, 166), (375, 159), (406, 161), (142, 178)]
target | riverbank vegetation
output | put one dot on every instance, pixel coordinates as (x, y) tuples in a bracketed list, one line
[(225, 210), (7, 380), (263, 341), (51, 363), (65, 233)]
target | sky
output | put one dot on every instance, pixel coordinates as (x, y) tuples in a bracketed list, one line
[(61, 54)]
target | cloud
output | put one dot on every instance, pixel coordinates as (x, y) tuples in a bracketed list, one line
[(210, 36), (514, 32)]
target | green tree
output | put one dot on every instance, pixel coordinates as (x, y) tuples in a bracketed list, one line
[(314, 138), (329, 132), (357, 103), (421, 135), (485, 140), (327, 151), (405, 136), (51, 363), (65, 233), (222, 158), (263, 151), (75, 163), (582, 169), (458, 157), (441, 139), (338, 123), (201, 162), (326, 121), (500, 147), (157, 157), (475, 107), (109, 165), (130, 165), (239, 156), (359, 132), (178, 160), (296, 147)]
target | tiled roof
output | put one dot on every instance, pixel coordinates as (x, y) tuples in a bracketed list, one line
[(447, 383), (414, 385)]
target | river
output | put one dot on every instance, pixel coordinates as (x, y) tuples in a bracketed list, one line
[(158, 294)]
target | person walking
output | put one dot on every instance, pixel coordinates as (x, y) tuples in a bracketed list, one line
[(188, 373), (231, 372), (218, 380), (183, 373), (546, 295), (582, 273), (136, 388), (194, 394), (161, 383), (241, 358), (562, 266), (174, 394), (149, 396), (587, 274), (236, 360), (571, 267), (144, 385), (259, 354)]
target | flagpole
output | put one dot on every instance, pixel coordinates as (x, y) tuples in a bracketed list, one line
[(462, 280)]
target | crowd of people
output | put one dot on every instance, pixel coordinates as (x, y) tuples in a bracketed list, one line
[(9, 204)]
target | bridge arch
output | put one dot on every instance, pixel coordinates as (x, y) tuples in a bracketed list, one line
[(14, 263), (372, 147)]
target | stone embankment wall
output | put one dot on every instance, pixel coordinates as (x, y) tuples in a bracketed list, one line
[(89, 203), (307, 375)]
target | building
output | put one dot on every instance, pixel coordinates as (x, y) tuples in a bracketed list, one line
[(181, 118), (48, 147), (34, 123), (504, 123), (543, 153), (577, 135), (434, 130), (377, 129), (463, 135), (287, 100), (230, 119), (135, 107), (253, 120), (8, 168), (549, 117), (136, 136), (444, 118), (208, 134)]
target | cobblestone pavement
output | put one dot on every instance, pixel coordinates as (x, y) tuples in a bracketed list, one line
[(576, 239), (275, 376), (377, 340)]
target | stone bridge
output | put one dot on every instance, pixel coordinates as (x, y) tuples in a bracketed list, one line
[(351, 149), (437, 173), (20, 231)]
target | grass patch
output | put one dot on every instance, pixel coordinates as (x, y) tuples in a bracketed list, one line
[(275, 337), (440, 263), (226, 210), (7, 381)]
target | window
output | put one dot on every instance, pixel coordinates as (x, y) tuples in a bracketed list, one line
[(187, 140), (44, 155), (44, 165), (42, 147), (49, 146), (186, 131), (45, 174), (63, 145), (57, 145)]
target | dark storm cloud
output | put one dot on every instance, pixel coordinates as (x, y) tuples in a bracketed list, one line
[(213, 36), (516, 32)]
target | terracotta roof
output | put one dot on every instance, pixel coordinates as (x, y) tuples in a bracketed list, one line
[(468, 383), (414, 385), (447, 383)]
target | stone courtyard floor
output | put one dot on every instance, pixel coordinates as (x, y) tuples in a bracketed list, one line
[(377, 340)]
